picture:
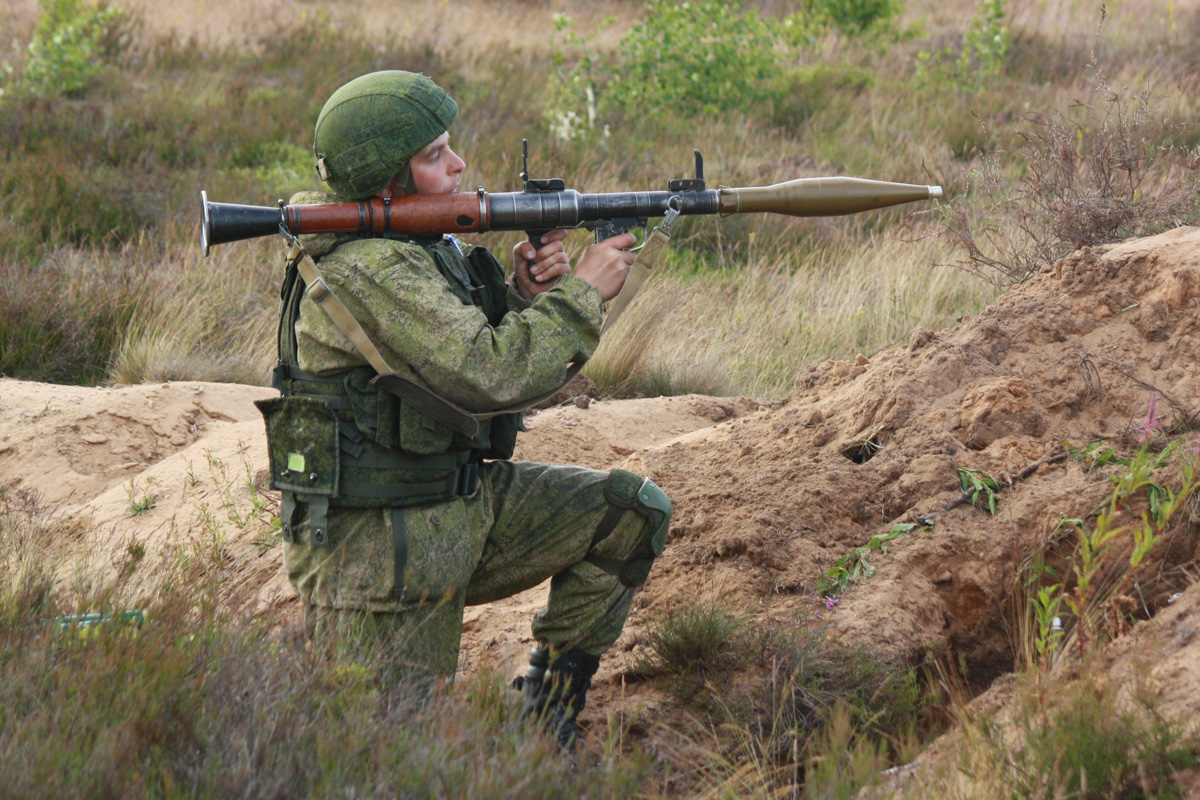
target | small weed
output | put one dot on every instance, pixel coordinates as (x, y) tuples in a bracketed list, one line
[(1112, 544), (855, 564), (692, 644), (143, 499), (268, 539), (976, 482), (1095, 455)]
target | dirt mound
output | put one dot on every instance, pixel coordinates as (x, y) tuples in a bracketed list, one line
[(767, 503), (156, 474)]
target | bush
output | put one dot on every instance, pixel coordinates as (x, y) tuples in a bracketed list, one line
[(981, 57), (1092, 175), (74, 42), (696, 58), (855, 17), (693, 643)]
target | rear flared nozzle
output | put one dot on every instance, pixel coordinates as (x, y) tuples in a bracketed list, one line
[(228, 222)]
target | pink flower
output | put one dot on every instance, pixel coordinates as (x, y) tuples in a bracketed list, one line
[(1150, 423)]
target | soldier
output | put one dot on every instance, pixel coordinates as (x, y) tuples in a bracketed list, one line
[(424, 517)]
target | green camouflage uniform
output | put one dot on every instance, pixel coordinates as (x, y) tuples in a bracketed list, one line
[(525, 523)]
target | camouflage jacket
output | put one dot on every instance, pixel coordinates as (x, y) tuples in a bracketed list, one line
[(410, 312)]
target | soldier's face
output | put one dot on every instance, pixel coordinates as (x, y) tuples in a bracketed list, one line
[(435, 170)]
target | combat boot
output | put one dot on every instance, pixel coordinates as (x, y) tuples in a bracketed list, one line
[(554, 692)]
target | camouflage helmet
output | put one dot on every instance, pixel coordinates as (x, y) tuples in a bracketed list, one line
[(371, 127)]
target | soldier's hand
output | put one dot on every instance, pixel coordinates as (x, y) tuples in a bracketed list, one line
[(606, 264), (537, 271)]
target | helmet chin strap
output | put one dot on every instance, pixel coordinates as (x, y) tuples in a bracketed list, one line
[(402, 180), (410, 183)]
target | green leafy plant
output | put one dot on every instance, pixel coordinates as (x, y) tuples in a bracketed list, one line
[(1133, 518), (1095, 454), (978, 60), (854, 17), (693, 58), (704, 56), (976, 482), (855, 564), (67, 49)]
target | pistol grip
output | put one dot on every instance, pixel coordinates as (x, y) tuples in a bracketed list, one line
[(535, 237)]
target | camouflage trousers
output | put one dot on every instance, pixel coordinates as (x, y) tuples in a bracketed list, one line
[(526, 522)]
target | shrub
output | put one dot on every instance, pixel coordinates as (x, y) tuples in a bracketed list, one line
[(855, 17), (693, 643), (1092, 175), (72, 44), (979, 59), (694, 58)]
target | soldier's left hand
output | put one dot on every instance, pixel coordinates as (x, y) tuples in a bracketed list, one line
[(538, 270)]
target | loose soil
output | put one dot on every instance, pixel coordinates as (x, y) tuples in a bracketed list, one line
[(768, 495)]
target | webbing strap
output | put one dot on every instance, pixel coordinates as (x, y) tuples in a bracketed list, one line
[(440, 463), (318, 519), (462, 483), (608, 523), (287, 517), (400, 545), (641, 269), (408, 387)]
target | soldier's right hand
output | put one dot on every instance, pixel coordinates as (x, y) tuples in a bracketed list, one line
[(606, 264)]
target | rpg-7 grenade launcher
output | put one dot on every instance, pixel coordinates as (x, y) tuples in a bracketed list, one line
[(547, 204)]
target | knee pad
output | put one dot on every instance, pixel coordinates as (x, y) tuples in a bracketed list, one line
[(625, 492)]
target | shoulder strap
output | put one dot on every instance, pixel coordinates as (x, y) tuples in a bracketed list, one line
[(408, 387), (641, 269)]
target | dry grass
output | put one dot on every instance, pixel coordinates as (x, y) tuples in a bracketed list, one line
[(749, 331), (789, 293)]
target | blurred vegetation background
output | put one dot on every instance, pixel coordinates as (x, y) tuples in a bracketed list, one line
[(1049, 126)]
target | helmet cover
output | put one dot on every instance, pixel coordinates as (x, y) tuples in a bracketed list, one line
[(371, 127)]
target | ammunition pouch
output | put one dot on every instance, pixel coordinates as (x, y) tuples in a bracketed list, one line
[(626, 492), (323, 452)]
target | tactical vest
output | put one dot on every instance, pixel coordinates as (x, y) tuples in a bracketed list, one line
[(339, 440)]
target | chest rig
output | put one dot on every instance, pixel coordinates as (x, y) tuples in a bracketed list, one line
[(342, 440)]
